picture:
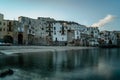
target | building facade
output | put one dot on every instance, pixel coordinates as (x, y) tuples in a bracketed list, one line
[(48, 31), (8, 30), (1, 26), (59, 33), (34, 31)]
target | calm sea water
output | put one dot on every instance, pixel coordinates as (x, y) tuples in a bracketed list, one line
[(86, 64)]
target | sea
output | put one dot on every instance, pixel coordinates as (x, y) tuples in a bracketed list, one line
[(83, 64)]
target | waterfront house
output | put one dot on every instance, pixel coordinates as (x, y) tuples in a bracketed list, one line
[(108, 37), (59, 33), (47, 31), (1, 26), (34, 31), (8, 30)]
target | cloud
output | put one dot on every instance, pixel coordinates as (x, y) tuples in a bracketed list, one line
[(104, 21)]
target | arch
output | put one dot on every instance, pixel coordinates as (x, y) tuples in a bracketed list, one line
[(20, 38), (8, 39)]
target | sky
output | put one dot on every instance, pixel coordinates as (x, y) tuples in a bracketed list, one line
[(85, 12)]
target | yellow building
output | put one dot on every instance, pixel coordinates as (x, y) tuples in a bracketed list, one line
[(8, 30), (1, 25)]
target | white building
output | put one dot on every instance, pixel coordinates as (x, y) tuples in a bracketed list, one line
[(59, 32), (78, 30), (66, 32)]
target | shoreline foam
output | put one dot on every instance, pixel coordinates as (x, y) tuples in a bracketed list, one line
[(28, 49)]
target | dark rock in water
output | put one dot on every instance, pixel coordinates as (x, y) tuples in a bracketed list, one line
[(10, 71), (6, 72)]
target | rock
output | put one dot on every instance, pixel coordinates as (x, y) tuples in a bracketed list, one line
[(4, 73)]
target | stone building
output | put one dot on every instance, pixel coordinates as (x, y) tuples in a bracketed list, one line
[(33, 31), (92, 31), (74, 31), (47, 31), (91, 36), (8, 30), (117, 33), (108, 37), (1, 19), (44, 32), (1, 26)]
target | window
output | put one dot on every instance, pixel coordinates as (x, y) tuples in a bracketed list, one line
[(69, 30), (62, 30), (54, 33), (66, 27), (29, 31), (4, 23), (3, 29), (92, 32), (62, 38), (10, 26), (29, 22), (54, 28), (42, 28), (56, 39), (77, 32)]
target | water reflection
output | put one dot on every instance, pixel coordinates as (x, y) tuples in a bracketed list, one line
[(86, 64)]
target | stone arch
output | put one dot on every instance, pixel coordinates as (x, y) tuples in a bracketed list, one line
[(8, 39), (20, 38)]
